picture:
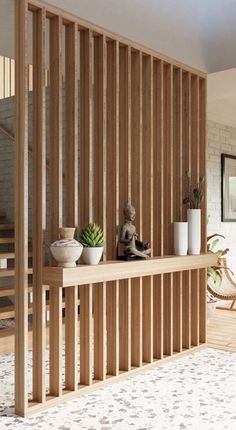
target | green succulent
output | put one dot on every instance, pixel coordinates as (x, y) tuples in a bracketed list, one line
[(92, 236)]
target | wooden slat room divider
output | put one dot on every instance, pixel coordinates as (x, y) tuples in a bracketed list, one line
[(123, 127)]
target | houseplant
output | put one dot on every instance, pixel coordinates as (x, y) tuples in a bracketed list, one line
[(92, 239), (215, 273), (194, 199)]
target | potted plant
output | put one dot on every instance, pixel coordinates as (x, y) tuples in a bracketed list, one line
[(92, 239), (215, 273), (194, 199)]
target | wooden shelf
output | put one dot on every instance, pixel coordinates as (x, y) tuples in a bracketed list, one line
[(116, 270)]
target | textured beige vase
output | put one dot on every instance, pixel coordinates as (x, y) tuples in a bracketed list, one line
[(67, 250)]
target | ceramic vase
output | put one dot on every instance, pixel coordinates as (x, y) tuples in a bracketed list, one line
[(92, 255), (194, 231), (180, 238), (66, 251)]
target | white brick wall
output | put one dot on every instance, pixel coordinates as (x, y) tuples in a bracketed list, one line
[(221, 139)]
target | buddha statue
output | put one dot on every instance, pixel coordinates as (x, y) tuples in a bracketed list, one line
[(133, 248)]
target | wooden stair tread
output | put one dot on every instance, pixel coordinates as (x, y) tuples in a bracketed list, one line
[(2, 214), (11, 272), (9, 311), (9, 290), (7, 227), (6, 240), (10, 255)]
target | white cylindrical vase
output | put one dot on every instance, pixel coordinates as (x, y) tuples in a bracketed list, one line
[(194, 231), (180, 238)]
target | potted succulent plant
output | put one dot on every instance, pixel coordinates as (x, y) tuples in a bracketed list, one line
[(194, 199), (92, 239)]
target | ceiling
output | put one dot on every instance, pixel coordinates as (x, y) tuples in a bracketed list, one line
[(221, 97), (200, 33)]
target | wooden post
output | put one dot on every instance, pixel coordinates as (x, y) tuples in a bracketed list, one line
[(39, 203), (21, 210), (71, 190)]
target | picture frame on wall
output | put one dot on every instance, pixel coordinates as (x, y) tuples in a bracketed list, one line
[(228, 188)]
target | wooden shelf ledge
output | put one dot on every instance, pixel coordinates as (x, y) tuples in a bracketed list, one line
[(116, 270)]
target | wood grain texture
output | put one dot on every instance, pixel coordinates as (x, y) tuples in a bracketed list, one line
[(100, 196), (168, 207), (21, 207), (139, 125), (116, 270), (55, 342), (195, 165), (178, 201), (55, 174), (86, 334), (86, 127), (203, 168), (147, 199), (124, 196), (136, 199), (158, 203), (186, 165), (39, 202), (112, 209), (71, 192)]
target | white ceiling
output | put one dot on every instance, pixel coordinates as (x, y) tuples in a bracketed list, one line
[(200, 33), (221, 100)]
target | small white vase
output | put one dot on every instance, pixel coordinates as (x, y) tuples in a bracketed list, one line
[(194, 231), (92, 255), (180, 238)]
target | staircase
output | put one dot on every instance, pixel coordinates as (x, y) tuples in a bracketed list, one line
[(7, 273)]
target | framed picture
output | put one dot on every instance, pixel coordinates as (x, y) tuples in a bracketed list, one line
[(228, 188)]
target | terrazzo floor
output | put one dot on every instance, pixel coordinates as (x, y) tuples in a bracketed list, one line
[(195, 392)]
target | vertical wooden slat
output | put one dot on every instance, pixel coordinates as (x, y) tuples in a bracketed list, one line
[(113, 206), (158, 204), (147, 201), (86, 129), (55, 342), (168, 209), (100, 196), (136, 199), (39, 203), (178, 204), (55, 183), (195, 178), (186, 150), (86, 192), (85, 334), (124, 196), (202, 168), (71, 190), (21, 209)]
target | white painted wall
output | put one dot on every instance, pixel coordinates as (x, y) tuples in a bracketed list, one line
[(221, 139)]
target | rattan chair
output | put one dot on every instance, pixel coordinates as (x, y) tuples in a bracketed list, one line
[(227, 289)]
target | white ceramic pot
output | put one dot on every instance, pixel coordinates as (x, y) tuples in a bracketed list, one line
[(92, 255), (180, 238), (66, 252), (194, 231)]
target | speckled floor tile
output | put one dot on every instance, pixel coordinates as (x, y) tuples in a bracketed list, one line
[(195, 392)]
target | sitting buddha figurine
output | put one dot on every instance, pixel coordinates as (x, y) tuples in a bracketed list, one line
[(133, 248)]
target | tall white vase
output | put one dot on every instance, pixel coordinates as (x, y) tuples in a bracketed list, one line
[(180, 238), (194, 231)]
